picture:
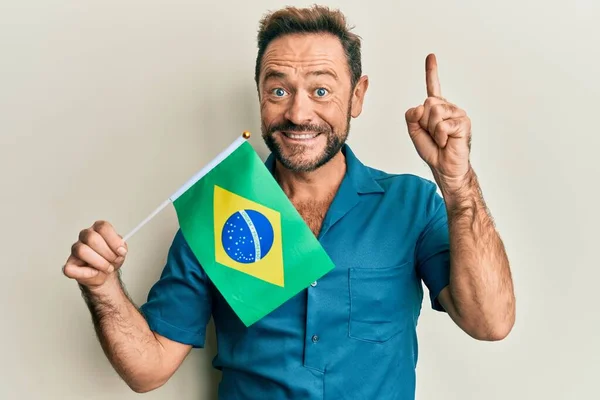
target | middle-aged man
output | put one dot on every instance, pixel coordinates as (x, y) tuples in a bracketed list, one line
[(352, 334)]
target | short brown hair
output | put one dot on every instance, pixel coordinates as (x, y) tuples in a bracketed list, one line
[(317, 19)]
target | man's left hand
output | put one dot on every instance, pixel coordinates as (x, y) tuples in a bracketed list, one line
[(441, 133)]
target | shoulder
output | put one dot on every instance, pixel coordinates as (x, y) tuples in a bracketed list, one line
[(179, 244), (409, 190), (396, 183), (181, 254)]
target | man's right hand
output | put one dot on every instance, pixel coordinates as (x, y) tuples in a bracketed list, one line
[(143, 358), (95, 257)]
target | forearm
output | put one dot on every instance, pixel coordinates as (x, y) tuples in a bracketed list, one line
[(480, 280), (124, 335)]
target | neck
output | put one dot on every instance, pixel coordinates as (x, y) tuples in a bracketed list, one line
[(315, 185)]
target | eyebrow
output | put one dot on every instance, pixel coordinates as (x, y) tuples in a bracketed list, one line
[(272, 74), (324, 72)]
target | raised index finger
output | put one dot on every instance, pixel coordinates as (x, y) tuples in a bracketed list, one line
[(431, 76)]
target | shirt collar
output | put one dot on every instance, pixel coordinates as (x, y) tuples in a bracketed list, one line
[(356, 181)]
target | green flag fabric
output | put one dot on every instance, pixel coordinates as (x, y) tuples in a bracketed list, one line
[(251, 241)]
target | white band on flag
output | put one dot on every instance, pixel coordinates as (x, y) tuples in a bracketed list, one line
[(254, 233)]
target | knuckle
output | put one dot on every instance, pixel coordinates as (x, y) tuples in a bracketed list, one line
[(438, 109), (430, 101), (101, 226), (453, 124), (433, 111), (69, 270), (84, 235), (442, 128), (94, 240), (76, 249)]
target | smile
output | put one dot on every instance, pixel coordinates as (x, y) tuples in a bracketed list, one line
[(300, 136)]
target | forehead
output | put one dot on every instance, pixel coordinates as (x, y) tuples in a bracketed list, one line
[(301, 53)]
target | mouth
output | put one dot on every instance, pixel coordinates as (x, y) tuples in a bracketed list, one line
[(300, 136)]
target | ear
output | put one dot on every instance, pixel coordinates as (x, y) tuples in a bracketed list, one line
[(358, 95)]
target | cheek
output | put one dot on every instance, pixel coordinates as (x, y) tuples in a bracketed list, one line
[(340, 105), (266, 111), (270, 114), (268, 108), (335, 112)]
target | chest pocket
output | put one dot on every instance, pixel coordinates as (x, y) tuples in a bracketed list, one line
[(379, 302)]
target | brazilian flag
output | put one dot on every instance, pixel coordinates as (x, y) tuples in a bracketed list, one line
[(251, 241)]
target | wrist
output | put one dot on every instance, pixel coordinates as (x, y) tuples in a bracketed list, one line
[(109, 287), (458, 190)]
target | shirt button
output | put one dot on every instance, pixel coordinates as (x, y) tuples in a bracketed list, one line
[(315, 338), (313, 284)]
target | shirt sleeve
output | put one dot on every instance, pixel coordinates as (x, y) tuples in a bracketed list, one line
[(433, 251), (179, 303)]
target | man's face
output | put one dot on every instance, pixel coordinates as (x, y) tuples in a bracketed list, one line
[(306, 99)]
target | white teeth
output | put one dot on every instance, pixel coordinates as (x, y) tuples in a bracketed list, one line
[(302, 136)]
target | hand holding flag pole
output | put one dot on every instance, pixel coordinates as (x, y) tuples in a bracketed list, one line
[(206, 169), (241, 227)]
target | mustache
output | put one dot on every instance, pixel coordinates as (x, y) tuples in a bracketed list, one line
[(291, 127)]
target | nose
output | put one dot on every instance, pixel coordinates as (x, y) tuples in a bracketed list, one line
[(300, 109)]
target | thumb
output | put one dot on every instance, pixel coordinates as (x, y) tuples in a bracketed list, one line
[(423, 142), (413, 116)]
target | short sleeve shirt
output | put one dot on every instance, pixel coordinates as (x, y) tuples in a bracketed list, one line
[(349, 335)]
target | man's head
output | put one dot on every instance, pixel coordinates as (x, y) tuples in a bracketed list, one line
[(308, 75)]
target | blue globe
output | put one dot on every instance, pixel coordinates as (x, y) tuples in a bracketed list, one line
[(247, 236)]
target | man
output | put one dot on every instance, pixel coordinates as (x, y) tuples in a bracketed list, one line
[(351, 334)]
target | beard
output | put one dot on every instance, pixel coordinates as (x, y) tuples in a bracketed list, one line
[(293, 161)]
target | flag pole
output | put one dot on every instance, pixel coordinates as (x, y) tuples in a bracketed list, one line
[(206, 169)]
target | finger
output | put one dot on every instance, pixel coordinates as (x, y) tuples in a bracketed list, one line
[(76, 272), (429, 103), (97, 243), (431, 76), (73, 264), (85, 253), (114, 241), (450, 128), (423, 142), (413, 115), (440, 112), (73, 260)]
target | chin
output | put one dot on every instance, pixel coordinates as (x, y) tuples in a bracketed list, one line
[(300, 165), (308, 161)]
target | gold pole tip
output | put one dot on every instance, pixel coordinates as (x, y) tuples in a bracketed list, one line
[(246, 135)]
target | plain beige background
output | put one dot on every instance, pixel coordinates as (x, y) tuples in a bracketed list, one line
[(106, 107)]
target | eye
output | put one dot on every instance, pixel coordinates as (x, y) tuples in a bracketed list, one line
[(321, 92), (279, 92)]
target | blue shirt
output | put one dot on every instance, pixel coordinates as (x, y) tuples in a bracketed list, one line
[(351, 334)]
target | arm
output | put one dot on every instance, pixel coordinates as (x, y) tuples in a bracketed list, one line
[(144, 359), (480, 297)]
